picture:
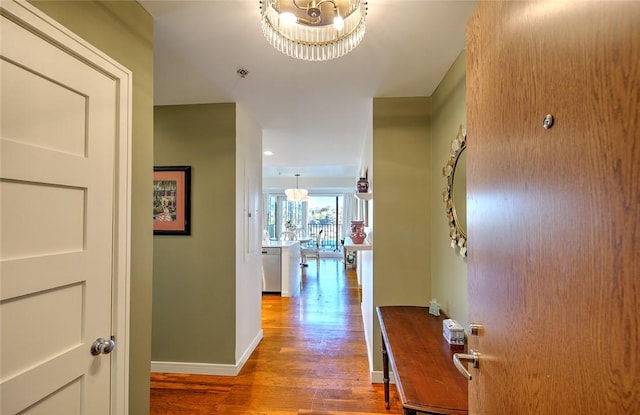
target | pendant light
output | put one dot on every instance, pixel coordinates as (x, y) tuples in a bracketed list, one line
[(297, 195)]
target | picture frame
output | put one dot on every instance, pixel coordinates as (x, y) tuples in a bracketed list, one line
[(172, 200)]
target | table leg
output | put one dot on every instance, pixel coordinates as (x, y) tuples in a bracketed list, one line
[(344, 255), (385, 374)]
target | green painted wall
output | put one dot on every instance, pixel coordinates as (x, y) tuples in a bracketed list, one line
[(402, 199), (194, 291), (407, 168), (124, 31), (413, 260), (448, 268)]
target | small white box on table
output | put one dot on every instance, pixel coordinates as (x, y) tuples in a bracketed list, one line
[(453, 332)]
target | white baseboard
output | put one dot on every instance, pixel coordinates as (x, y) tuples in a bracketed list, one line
[(377, 377), (369, 346), (194, 368), (247, 353)]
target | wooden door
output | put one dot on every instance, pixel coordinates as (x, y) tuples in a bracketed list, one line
[(63, 127), (554, 214)]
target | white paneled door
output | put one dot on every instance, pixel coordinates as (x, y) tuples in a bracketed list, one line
[(64, 149)]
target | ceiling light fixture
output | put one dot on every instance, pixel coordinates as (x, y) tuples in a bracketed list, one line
[(297, 195), (318, 31)]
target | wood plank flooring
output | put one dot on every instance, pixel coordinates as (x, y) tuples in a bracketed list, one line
[(311, 361)]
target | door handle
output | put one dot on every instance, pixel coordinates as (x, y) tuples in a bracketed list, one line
[(473, 356), (102, 346)]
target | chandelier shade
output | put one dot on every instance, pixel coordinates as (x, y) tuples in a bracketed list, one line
[(314, 30), (297, 195)]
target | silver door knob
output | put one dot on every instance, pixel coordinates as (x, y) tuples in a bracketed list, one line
[(102, 346), (473, 356)]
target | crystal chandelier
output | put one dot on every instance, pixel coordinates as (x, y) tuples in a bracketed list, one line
[(314, 30), (297, 195)]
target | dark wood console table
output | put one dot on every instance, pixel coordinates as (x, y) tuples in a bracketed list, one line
[(422, 362)]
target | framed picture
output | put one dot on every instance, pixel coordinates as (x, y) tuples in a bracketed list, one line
[(172, 200)]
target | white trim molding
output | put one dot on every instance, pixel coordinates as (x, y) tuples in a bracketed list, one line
[(247, 353), (195, 368), (33, 19), (377, 377)]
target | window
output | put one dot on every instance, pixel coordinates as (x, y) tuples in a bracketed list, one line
[(307, 218)]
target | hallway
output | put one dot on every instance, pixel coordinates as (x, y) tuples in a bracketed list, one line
[(312, 359)]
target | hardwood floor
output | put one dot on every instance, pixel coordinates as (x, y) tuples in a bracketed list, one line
[(312, 359)]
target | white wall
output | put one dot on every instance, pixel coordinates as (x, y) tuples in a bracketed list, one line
[(248, 235), (365, 258)]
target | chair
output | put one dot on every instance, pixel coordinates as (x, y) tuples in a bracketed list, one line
[(288, 236), (312, 252)]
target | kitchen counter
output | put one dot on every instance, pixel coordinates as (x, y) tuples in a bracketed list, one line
[(290, 265)]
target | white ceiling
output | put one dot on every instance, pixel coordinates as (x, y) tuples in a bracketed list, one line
[(315, 115)]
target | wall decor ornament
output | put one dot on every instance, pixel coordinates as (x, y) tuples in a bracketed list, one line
[(362, 185), (358, 234), (455, 192), (172, 200)]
